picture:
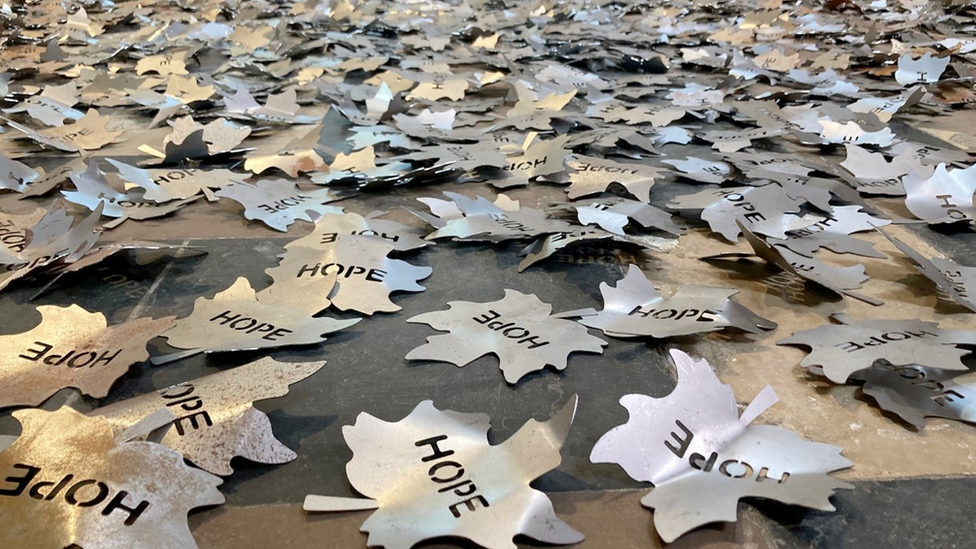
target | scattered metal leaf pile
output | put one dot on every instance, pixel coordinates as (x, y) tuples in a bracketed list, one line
[(650, 122)]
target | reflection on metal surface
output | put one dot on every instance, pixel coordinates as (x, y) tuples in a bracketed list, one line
[(844, 348), (634, 309), (433, 474), (71, 347), (235, 320), (518, 329), (70, 482), (215, 419), (702, 456), (915, 392)]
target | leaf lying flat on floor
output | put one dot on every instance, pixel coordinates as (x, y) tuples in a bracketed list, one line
[(71, 347), (234, 320), (229, 425), (839, 350), (103, 493), (914, 392), (519, 329), (490, 500)]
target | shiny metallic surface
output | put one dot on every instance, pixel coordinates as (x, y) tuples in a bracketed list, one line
[(702, 456), (91, 481), (841, 349), (216, 420), (235, 320), (71, 347), (353, 272), (401, 467), (634, 309), (914, 392), (518, 329)]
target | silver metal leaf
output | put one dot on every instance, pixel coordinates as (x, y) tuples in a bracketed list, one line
[(433, 475), (634, 309), (71, 347), (954, 280), (352, 273), (234, 320), (833, 232), (839, 350), (915, 392), (592, 175), (136, 494), (278, 202), (216, 419), (702, 456), (942, 197), (519, 329)]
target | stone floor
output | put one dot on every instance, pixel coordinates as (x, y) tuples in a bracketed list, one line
[(912, 488)]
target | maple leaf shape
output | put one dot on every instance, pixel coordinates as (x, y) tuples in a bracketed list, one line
[(915, 392), (402, 467), (352, 272), (115, 493), (634, 309), (93, 189), (88, 133), (71, 347), (765, 210), (278, 202), (843, 349), (164, 185), (329, 226), (614, 214), (216, 416), (833, 233), (943, 197), (702, 456), (234, 320), (519, 224), (518, 329)]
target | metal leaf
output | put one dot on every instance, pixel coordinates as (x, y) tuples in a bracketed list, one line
[(915, 392), (943, 197), (234, 320), (954, 280), (15, 175), (216, 419), (702, 457), (93, 190), (99, 492), (164, 185), (49, 240), (496, 225), (840, 350), (593, 175), (353, 273), (546, 247), (433, 475), (634, 309), (71, 347), (278, 202), (699, 169), (518, 329), (767, 210), (833, 233), (926, 69), (88, 133), (840, 280), (614, 214)]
